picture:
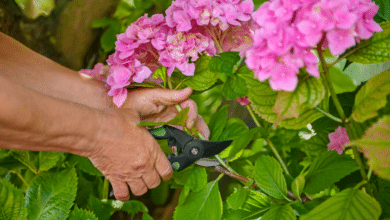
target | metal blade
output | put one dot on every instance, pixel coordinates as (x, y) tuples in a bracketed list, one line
[(205, 162)]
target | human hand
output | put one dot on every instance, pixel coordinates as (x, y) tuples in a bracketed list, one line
[(158, 105), (128, 155)]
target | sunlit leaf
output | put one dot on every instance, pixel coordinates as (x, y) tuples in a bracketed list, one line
[(51, 195), (349, 204), (205, 204), (371, 97), (375, 144), (374, 50), (11, 202), (307, 95), (224, 62), (81, 214), (48, 159), (255, 205), (32, 9)]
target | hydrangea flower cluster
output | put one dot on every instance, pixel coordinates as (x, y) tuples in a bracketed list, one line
[(204, 12), (289, 29), (338, 139), (226, 22)]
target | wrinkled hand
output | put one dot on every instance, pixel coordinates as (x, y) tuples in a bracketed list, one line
[(158, 105), (128, 155)]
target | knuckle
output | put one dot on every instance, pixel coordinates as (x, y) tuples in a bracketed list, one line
[(140, 192)]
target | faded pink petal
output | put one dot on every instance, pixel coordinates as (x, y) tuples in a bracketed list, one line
[(338, 139), (244, 100)]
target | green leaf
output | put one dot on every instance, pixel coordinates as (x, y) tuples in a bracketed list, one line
[(48, 159), (181, 177), (349, 204), (160, 73), (224, 62), (263, 99), (269, 177), (32, 9), (101, 210), (371, 97), (375, 144), (383, 197), (241, 142), (234, 130), (297, 185), (51, 195), (235, 127), (205, 204), (255, 205), (316, 145), (197, 180), (183, 195), (304, 208), (234, 88), (341, 82), (84, 164), (4, 153), (108, 39), (218, 122), (24, 158), (237, 199), (131, 207), (179, 119), (104, 22), (146, 216), (81, 214), (308, 94), (282, 212), (374, 50), (160, 194), (11, 202), (203, 78), (327, 169)]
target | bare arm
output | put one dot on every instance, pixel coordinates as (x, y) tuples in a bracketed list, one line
[(126, 154), (23, 66)]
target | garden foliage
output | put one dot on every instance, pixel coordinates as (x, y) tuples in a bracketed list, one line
[(321, 145)]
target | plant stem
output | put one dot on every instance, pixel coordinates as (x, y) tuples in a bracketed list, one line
[(343, 56), (269, 142), (106, 186), (369, 173), (334, 118), (20, 177), (340, 110), (329, 81)]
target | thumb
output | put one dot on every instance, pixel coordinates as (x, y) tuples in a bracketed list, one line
[(171, 96)]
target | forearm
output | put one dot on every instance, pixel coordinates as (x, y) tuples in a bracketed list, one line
[(32, 70), (33, 121)]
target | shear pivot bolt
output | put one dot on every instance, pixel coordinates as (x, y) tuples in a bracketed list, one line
[(194, 151)]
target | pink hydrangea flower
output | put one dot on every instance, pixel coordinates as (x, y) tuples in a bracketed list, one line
[(338, 139), (182, 47), (99, 71), (216, 20), (244, 100), (291, 28)]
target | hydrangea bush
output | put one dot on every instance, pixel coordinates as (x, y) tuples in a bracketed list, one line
[(318, 146)]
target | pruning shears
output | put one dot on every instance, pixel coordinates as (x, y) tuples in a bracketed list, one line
[(186, 149)]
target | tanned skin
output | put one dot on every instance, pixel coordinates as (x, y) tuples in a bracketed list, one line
[(47, 107)]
